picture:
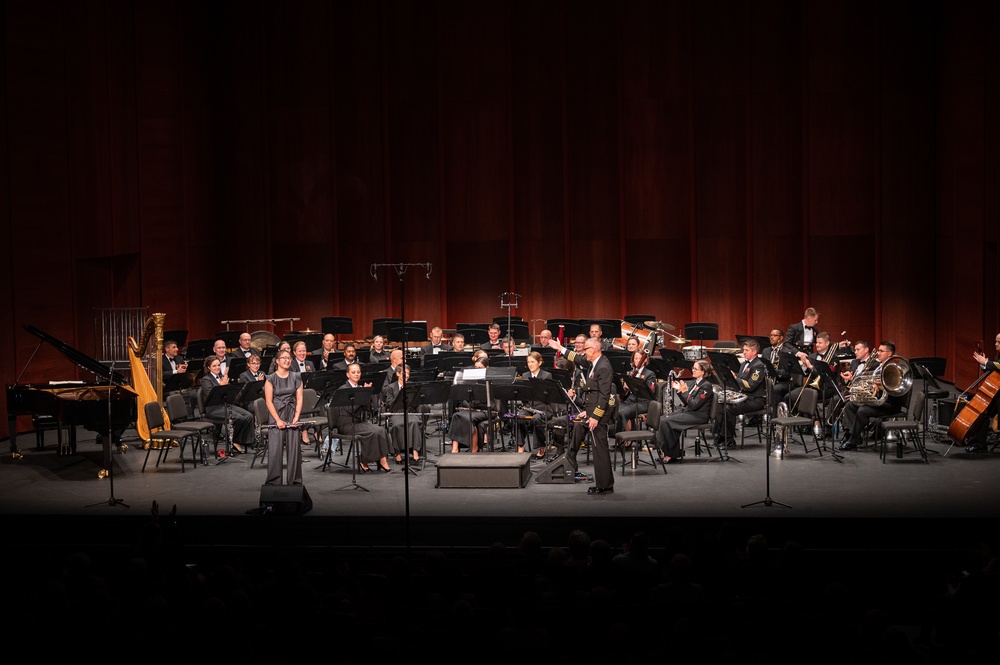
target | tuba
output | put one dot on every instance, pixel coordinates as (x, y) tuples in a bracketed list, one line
[(894, 377)]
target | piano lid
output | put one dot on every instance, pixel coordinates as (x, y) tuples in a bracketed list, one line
[(79, 358)]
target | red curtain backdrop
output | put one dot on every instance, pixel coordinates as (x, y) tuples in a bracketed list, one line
[(729, 162)]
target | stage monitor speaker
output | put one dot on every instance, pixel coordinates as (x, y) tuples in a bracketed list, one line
[(285, 500), (556, 471)]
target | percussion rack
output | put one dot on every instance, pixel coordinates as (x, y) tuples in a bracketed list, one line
[(272, 322)]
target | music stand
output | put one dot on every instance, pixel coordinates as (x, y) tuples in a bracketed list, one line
[(235, 366), (318, 381), (414, 331), (350, 398), (762, 342), (226, 396), (474, 335), (726, 361), (251, 392), (519, 391), (701, 331), (571, 328), (638, 387), (176, 383), (381, 326), (668, 367), (426, 394), (472, 393), (230, 337), (826, 374), (336, 325)]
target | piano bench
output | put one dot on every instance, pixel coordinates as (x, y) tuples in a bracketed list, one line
[(42, 424)]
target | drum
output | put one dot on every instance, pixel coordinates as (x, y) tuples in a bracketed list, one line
[(694, 352), (647, 338)]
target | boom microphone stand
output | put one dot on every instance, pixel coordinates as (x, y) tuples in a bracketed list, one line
[(109, 447), (512, 299)]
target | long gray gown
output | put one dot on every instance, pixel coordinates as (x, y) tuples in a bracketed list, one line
[(283, 398)]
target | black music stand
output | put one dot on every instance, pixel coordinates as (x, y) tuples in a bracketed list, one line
[(413, 331), (176, 383), (350, 397), (826, 374), (250, 393), (550, 393), (762, 341), (508, 393), (318, 381), (571, 328), (381, 326), (227, 396), (336, 326), (230, 337), (235, 367), (701, 331), (726, 361), (668, 368), (424, 395), (110, 443), (474, 335), (472, 393), (638, 387)]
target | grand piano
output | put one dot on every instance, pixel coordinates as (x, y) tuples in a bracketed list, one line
[(75, 404)]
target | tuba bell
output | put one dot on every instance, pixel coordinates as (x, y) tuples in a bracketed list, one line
[(894, 378)]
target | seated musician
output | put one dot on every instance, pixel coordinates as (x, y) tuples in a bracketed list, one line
[(282, 346), (253, 371), (245, 350), (858, 415), (434, 345), (395, 361), (223, 356), (862, 352), (352, 420), (783, 379), (172, 361), (458, 343), (412, 436), (378, 352), (560, 424), (695, 410), (978, 433), (532, 416), (596, 332), (494, 341), (300, 358), (543, 340), (574, 355), (350, 356), (469, 422), (632, 345), (321, 356), (823, 354), (631, 406), (751, 380), (243, 421)]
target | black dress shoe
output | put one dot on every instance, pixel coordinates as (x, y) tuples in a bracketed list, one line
[(974, 448), (848, 444), (600, 490), (362, 469), (674, 460), (384, 469)]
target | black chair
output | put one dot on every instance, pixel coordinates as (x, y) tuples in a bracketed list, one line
[(757, 416), (701, 431), (632, 441), (900, 428), (177, 412), (164, 439), (792, 424)]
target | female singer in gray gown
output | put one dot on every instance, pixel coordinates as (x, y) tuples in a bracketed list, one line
[(283, 396)]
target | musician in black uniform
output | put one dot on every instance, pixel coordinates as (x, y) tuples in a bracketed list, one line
[(751, 380), (858, 415), (598, 412), (823, 354), (696, 410), (981, 428), (631, 406), (802, 334), (532, 416), (782, 377)]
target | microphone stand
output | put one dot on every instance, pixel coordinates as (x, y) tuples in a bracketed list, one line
[(509, 304), (112, 501)]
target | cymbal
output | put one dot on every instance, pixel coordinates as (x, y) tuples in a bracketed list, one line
[(658, 325), (681, 340)]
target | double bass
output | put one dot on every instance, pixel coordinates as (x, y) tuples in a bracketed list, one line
[(986, 388)]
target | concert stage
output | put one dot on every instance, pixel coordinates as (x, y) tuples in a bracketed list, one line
[(859, 502)]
